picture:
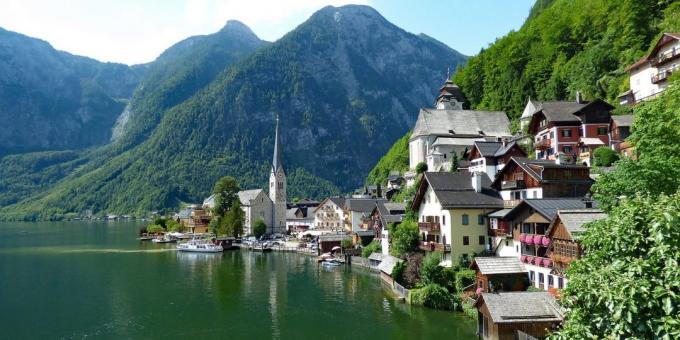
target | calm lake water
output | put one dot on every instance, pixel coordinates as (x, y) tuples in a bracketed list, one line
[(81, 280)]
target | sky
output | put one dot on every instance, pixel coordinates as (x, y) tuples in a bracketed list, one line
[(137, 31)]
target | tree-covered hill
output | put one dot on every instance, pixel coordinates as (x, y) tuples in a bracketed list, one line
[(346, 83), (53, 100), (563, 47)]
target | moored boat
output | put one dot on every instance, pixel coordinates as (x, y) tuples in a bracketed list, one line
[(164, 239), (200, 246)]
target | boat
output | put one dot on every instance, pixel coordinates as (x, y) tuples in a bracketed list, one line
[(164, 239), (145, 238), (261, 247), (331, 263), (199, 246)]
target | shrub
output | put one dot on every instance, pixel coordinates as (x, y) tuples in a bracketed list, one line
[(259, 228), (405, 238), (433, 296), (464, 278), (154, 228), (345, 244), (421, 167), (604, 156), (398, 272), (371, 248), (412, 271)]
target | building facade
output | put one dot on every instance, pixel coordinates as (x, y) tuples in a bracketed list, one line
[(256, 205), (649, 75), (330, 214)]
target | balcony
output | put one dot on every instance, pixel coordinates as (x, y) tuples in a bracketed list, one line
[(661, 76), (511, 203), (516, 184), (432, 246), (543, 144), (500, 232), (665, 58), (429, 226)]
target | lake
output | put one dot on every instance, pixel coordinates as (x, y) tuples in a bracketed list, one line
[(76, 280)]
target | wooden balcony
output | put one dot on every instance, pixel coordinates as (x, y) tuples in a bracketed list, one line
[(661, 76), (666, 57), (516, 184), (500, 232), (432, 246), (543, 144), (429, 226)]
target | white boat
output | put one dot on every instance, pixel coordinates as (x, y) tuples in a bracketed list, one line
[(200, 246), (164, 239)]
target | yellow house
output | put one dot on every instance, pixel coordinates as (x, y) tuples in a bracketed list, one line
[(452, 213)]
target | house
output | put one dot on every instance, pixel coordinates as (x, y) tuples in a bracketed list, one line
[(500, 232), (559, 126), (564, 247), (452, 209), (368, 191), (586, 146), (522, 178), (330, 214), (619, 131), (395, 180), (299, 219), (448, 129), (530, 221), (303, 203), (529, 110), (358, 213), (649, 75), (386, 267), (329, 241), (384, 214), (499, 274), (375, 259), (517, 315), (256, 205), (491, 157), (209, 203), (194, 218)]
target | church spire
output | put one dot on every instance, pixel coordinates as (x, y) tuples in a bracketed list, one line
[(276, 162)]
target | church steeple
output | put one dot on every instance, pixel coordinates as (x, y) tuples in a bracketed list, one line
[(276, 162)]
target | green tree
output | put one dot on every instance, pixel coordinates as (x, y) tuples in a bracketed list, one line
[(421, 167), (232, 223), (455, 160), (405, 238), (225, 190), (430, 270), (371, 248), (259, 228), (604, 156), (628, 283)]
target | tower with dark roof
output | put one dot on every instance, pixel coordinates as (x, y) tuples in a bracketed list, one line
[(450, 97), (277, 187)]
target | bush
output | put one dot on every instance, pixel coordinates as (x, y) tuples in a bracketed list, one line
[(433, 296), (412, 271), (154, 228), (371, 248), (464, 278), (345, 244), (405, 238), (398, 272), (421, 167), (259, 228), (430, 270), (604, 156)]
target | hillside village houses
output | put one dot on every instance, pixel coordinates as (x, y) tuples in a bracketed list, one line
[(649, 75)]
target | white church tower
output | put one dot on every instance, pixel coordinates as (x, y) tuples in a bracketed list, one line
[(277, 188)]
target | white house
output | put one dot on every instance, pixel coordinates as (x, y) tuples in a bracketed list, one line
[(358, 212), (330, 214), (491, 157), (649, 75), (446, 129), (299, 219)]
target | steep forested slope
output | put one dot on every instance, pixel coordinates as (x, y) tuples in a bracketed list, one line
[(346, 83)]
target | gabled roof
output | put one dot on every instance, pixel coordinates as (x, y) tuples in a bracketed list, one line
[(574, 219), (365, 205), (548, 207), (500, 213), (663, 40), (535, 167), (388, 263), (521, 307), (390, 212), (245, 196), (454, 190), (337, 200), (623, 120), (461, 122), (210, 201), (494, 149), (377, 256), (498, 265)]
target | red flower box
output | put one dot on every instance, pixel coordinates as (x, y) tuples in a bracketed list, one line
[(523, 258), (530, 259), (546, 241), (547, 263), (538, 239)]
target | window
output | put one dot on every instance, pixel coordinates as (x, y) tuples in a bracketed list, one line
[(541, 280), (465, 219), (552, 134), (602, 131), (566, 133), (531, 276), (443, 219), (560, 282), (481, 240), (466, 240), (551, 281), (567, 149), (480, 219), (533, 193)]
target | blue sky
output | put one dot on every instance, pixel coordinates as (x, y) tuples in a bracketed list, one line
[(134, 31)]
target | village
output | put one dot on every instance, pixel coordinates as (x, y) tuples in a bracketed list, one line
[(508, 206)]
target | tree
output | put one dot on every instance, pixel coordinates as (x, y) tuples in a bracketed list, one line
[(405, 238), (259, 228), (430, 270), (232, 222), (604, 156), (225, 190), (421, 167), (628, 283), (454, 161)]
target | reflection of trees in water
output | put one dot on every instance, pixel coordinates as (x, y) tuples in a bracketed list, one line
[(227, 278)]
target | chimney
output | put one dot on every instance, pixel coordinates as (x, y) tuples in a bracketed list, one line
[(578, 97), (477, 181), (504, 141)]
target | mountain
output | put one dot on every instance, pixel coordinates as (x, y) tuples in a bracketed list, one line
[(564, 46), (346, 84), (53, 100)]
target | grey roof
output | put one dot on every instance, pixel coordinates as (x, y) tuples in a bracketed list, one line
[(276, 161), (210, 201), (561, 111), (290, 214), (500, 213), (334, 237), (498, 265), (462, 122), (388, 263), (488, 149), (623, 120), (338, 200), (378, 256), (522, 307), (526, 114), (526, 164), (185, 213), (392, 207), (548, 207), (454, 190), (361, 204), (365, 233), (574, 219), (245, 196)]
